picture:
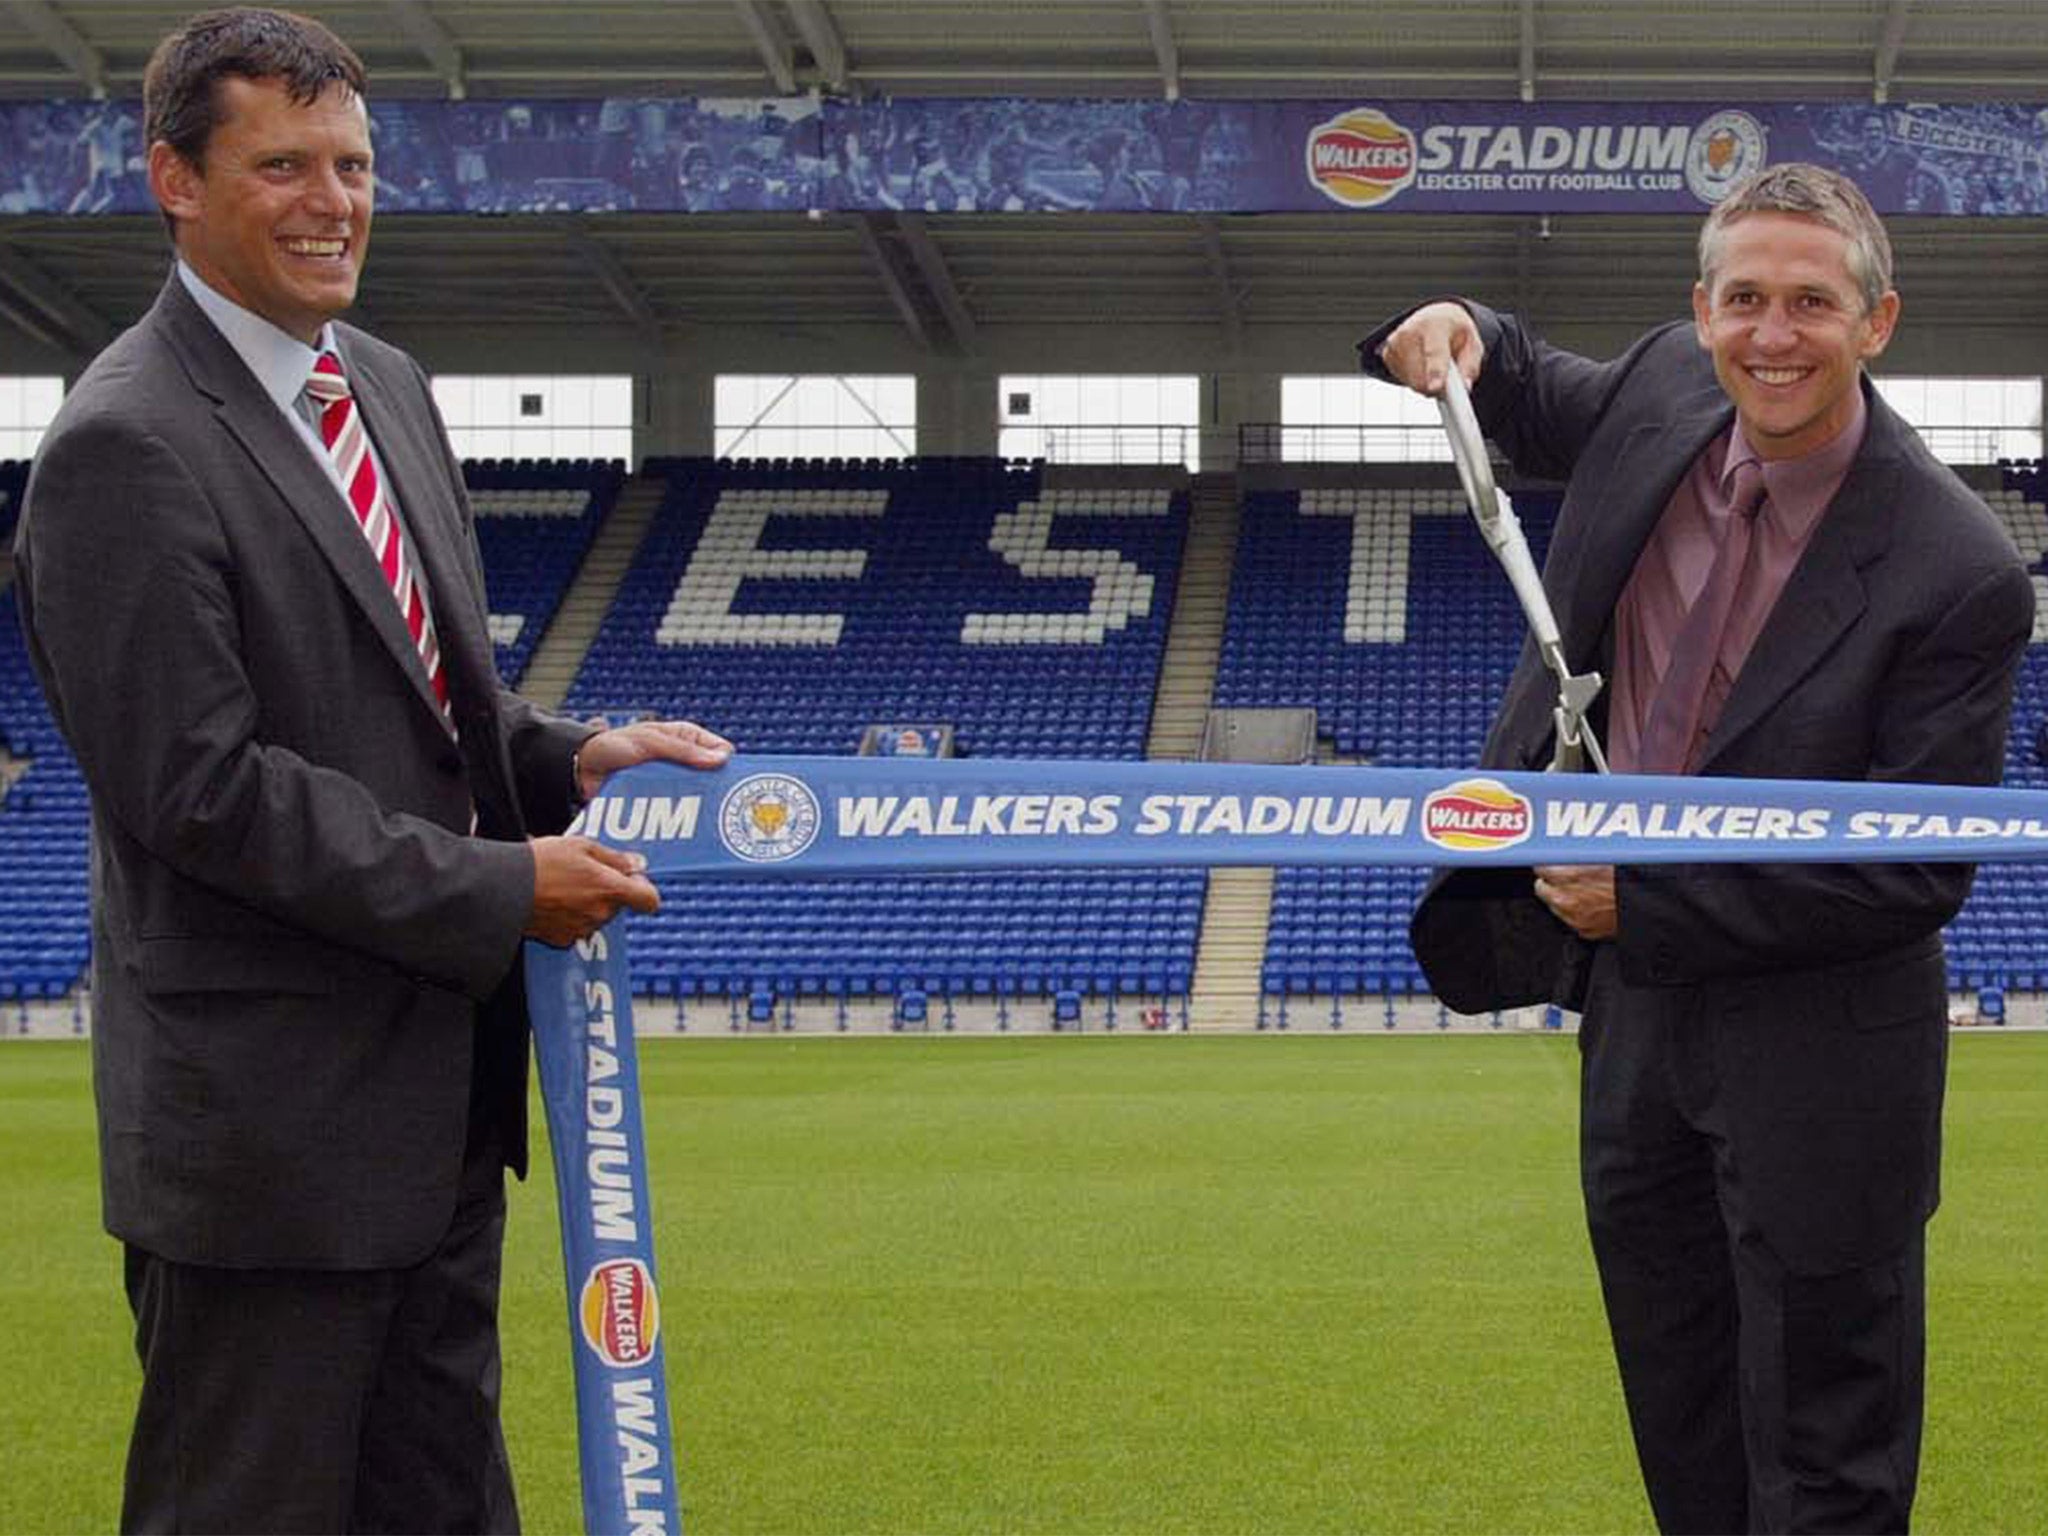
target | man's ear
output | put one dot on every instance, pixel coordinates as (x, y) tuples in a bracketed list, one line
[(1882, 320), (175, 182), (1702, 307)]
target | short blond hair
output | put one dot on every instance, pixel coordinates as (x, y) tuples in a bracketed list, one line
[(1813, 192)]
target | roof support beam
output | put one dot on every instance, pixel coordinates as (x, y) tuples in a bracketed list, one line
[(866, 228), (612, 277), (775, 50), (1888, 51), (47, 309), (63, 39), (814, 24), (938, 279), (425, 32), (1219, 273), (1164, 46), (1528, 50), (32, 322)]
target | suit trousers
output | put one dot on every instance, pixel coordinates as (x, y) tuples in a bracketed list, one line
[(1761, 1398), (283, 1400)]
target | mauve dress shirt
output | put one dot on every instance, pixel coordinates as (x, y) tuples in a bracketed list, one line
[(1673, 568)]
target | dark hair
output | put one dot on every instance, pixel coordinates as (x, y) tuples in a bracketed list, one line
[(180, 104)]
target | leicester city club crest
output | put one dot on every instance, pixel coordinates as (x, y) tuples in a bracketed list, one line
[(1722, 153), (768, 817)]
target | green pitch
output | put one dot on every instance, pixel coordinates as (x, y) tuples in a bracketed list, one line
[(1093, 1284)]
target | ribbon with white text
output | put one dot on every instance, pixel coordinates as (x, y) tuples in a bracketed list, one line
[(847, 815), (590, 1083)]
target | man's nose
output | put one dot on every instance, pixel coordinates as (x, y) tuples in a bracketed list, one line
[(1775, 327), (326, 192)]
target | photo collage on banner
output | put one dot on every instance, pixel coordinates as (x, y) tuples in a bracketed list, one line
[(1061, 155)]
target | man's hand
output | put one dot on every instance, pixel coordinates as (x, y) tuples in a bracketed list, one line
[(1582, 896), (1422, 348), (579, 885), (647, 741)]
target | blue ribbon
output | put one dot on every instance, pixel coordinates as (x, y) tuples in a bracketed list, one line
[(843, 815), (590, 1082)]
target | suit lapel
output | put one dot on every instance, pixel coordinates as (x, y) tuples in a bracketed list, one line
[(1588, 581), (283, 458)]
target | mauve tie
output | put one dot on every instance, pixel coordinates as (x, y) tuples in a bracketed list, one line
[(1671, 733)]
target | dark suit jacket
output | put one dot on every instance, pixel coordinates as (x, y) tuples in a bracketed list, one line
[(297, 945), (1890, 656)]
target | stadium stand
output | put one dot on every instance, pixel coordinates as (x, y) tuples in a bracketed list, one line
[(1376, 606), (43, 834), (1032, 619), (1995, 944), (1382, 610), (535, 521)]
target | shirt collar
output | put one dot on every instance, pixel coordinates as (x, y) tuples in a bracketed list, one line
[(1801, 488), (280, 361)]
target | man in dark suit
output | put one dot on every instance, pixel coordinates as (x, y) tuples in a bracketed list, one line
[(1780, 581), (252, 592)]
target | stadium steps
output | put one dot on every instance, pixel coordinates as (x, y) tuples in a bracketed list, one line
[(1239, 904), (583, 608), (1234, 921), (1187, 673)]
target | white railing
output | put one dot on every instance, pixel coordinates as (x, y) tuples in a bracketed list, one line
[(1268, 442), (1124, 443), (1271, 442), (1980, 445)]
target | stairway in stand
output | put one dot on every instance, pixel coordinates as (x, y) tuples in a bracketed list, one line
[(1239, 902), (583, 608)]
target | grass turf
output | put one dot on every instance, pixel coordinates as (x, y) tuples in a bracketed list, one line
[(1092, 1284)]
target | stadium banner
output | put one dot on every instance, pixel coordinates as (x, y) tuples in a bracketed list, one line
[(1374, 155), (580, 1001), (848, 815)]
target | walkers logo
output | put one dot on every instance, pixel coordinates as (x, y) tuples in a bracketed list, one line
[(620, 1313), (1360, 158), (1474, 815)]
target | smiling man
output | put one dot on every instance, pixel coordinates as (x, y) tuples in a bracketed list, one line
[(1781, 582), (321, 828)]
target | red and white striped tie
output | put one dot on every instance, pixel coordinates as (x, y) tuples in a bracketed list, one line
[(341, 429)]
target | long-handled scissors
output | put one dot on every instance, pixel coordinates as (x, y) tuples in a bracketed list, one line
[(1576, 745)]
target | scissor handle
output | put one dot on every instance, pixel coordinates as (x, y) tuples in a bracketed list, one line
[(1468, 446)]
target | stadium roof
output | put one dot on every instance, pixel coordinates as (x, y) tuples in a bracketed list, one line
[(941, 280)]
